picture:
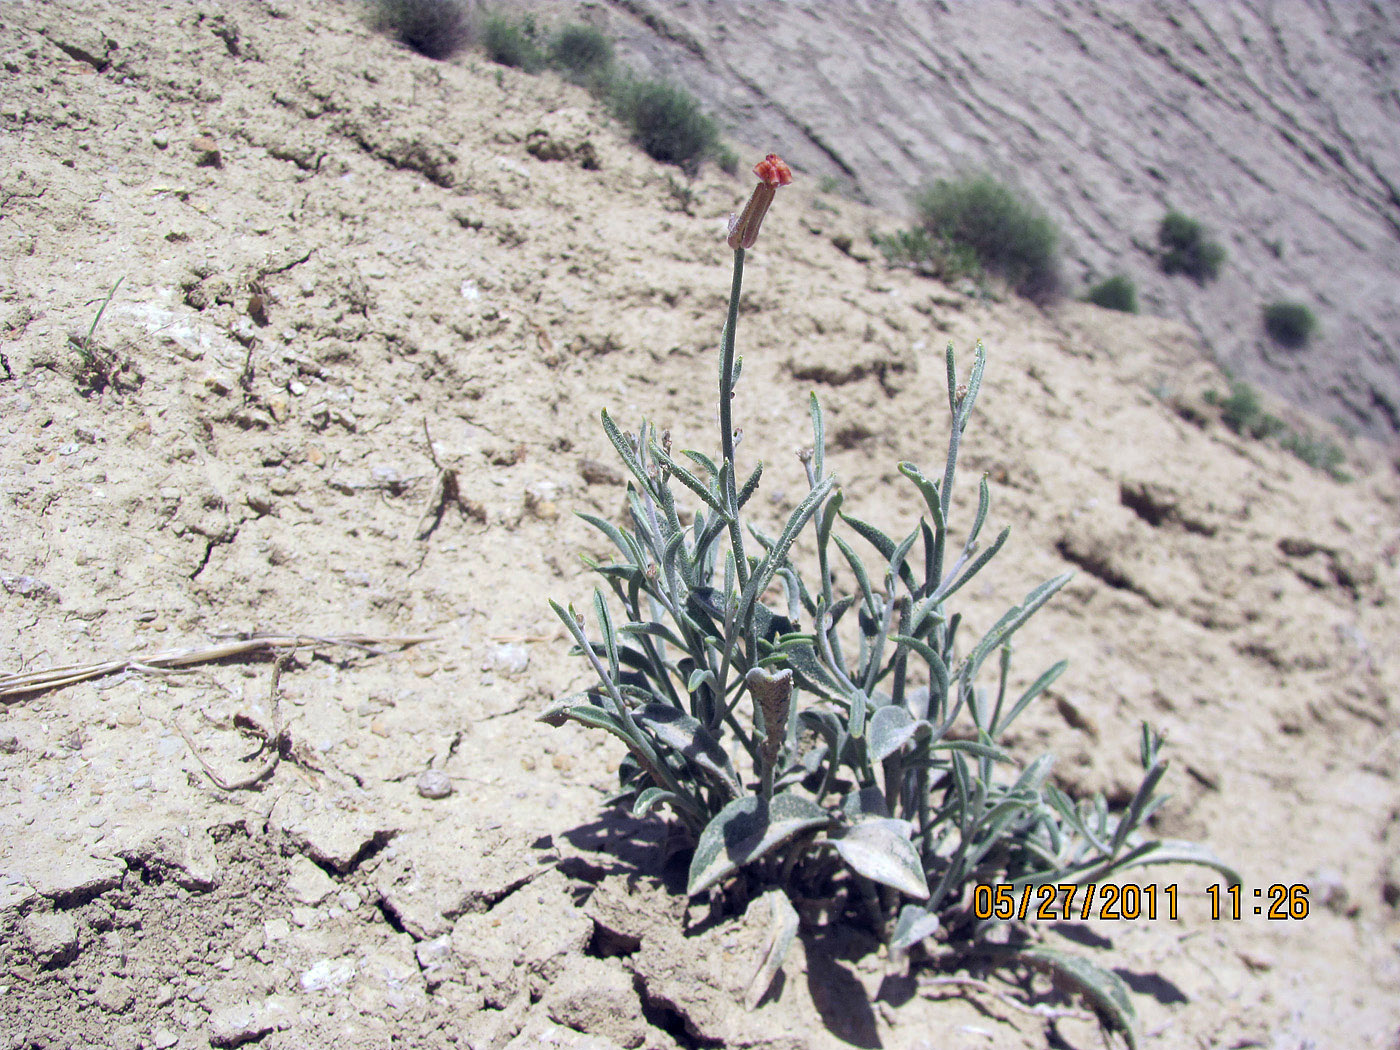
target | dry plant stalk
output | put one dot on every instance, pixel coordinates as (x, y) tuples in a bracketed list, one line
[(22, 683)]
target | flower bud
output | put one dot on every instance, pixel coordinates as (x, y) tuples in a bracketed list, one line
[(744, 227)]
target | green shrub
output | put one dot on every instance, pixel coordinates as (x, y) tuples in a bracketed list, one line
[(1186, 249), (1114, 293), (512, 42), (581, 51), (1009, 235), (666, 121), (1318, 453), (726, 159), (931, 256), (1289, 324), (832, 743), (1242, 412), (434, 28)]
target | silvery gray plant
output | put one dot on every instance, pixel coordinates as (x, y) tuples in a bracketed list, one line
[(835, 749)]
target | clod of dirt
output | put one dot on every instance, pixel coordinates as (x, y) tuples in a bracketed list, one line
[(599, 999), (236, 1025), (71, 879), (336, 832), (308, 883), (188, 860), (541, 1033), (52, 937), (529, 940)]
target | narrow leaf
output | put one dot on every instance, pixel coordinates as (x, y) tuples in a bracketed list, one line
[(1104, 989), (685, 735), (650, 798)]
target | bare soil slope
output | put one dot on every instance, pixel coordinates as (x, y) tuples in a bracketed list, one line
[(331, 248), (1271, 122)]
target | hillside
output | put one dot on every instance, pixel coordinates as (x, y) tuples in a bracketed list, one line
[(1269, 122), (333, 251)]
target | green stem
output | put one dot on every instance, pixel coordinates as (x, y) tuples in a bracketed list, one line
[(726, 418)]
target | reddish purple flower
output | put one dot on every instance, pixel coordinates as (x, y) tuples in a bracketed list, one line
[(772, 173)]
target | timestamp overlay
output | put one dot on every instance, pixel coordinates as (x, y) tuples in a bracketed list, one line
[(1133, 902)]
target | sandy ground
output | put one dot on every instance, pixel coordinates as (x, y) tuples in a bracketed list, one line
[(330, 248)]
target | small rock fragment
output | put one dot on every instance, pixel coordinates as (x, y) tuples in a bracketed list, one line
[(28, 587), (508, 658), (244, 1022), (52, 937), (539, 499), (434, 783), (207, 152), (435, 959), (307, 883), (259, 501), (1075, 715), (595, 472), (113, 994), (328, 973)]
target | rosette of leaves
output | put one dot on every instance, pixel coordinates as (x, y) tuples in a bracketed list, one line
[(840, 748)]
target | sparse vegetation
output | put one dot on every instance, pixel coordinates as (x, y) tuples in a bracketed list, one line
[(1114, 293), (1243, 412), (1318, 453), (581, 52), (666, 121), (978, 217), (931, 256), (726, 159), (1186, 248), (1289, 324), (434, 28), (512, 42), (1009, 235)]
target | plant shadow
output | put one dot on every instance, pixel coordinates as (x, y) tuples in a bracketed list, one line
[(618, 843), (837, 994)]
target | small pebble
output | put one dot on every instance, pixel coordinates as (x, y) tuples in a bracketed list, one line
[(434, 783)]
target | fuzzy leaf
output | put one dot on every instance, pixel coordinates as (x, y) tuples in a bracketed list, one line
[(1104, 989), (577, 709), (913, 926), (683, 734), (1180, 851), (782, 931), (881, 543), (879, 848), (1014, 617), (650, 798), (746, 830), (891, 727), (865, 802)]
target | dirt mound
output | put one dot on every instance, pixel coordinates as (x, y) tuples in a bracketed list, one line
[(333, 252)]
